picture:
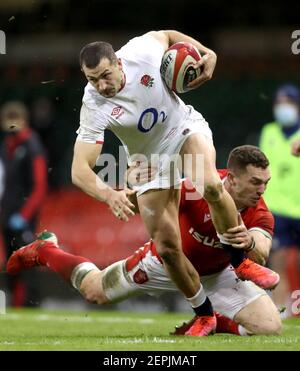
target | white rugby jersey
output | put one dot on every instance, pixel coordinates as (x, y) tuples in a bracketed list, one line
[(143, 114)]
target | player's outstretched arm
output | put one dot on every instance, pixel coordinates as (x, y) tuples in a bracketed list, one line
[(84, 160), (261, 250), (254, 242), (209, 58)]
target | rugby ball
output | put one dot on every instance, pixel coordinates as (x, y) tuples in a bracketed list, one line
[(177, 66)]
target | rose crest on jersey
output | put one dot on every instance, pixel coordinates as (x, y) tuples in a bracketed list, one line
[(147, 81)]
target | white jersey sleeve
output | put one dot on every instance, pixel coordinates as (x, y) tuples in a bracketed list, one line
[(91, 133)]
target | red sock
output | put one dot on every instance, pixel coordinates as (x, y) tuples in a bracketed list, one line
[(226, 325), (59, 261)]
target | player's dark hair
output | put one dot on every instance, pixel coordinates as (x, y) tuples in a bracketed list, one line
[(245, 155), (91, 54)]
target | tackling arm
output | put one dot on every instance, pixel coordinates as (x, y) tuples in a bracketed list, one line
[(256, 242), (260, 253)]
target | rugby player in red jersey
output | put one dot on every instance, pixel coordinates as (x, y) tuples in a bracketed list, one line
[(242, 306)]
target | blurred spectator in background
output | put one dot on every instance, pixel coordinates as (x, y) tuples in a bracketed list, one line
[(25, 185), (283, 194), (43, 120), (296, 147), (56, 132)]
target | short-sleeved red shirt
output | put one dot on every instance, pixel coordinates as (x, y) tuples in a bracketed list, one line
[(199, 239)]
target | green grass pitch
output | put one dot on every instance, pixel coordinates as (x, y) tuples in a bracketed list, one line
[(111, 330)]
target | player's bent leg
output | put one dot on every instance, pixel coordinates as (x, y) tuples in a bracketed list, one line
[(159, 210), (260, 317), (243, 308), (101, 287), (229, 296), (91, 288), (109, 285), (221, 205)]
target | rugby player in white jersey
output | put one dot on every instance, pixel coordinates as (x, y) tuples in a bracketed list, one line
[(126, 94)]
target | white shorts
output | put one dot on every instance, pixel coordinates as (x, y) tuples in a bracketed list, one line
[(169, 152), (227, 293)]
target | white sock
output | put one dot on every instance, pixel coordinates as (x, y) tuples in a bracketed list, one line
[(243, 331), (79, 272), (197, 299)]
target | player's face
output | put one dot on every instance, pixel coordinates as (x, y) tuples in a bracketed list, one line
[(107, 77), (249, 186), (10, 124)]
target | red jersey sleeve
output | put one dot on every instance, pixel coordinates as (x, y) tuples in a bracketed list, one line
[(259, 217)]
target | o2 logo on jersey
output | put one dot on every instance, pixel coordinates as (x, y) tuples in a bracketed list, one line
[(149, 118)]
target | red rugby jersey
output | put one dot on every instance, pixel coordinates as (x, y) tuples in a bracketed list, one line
[(199, 239)]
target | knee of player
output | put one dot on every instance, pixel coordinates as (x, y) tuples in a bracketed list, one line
[(168, 252), (213, 190), (94, 297), (276, 327), (271, 327), (91, 290), (102, 300)]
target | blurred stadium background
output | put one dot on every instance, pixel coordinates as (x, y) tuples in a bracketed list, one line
[(40, 67)]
